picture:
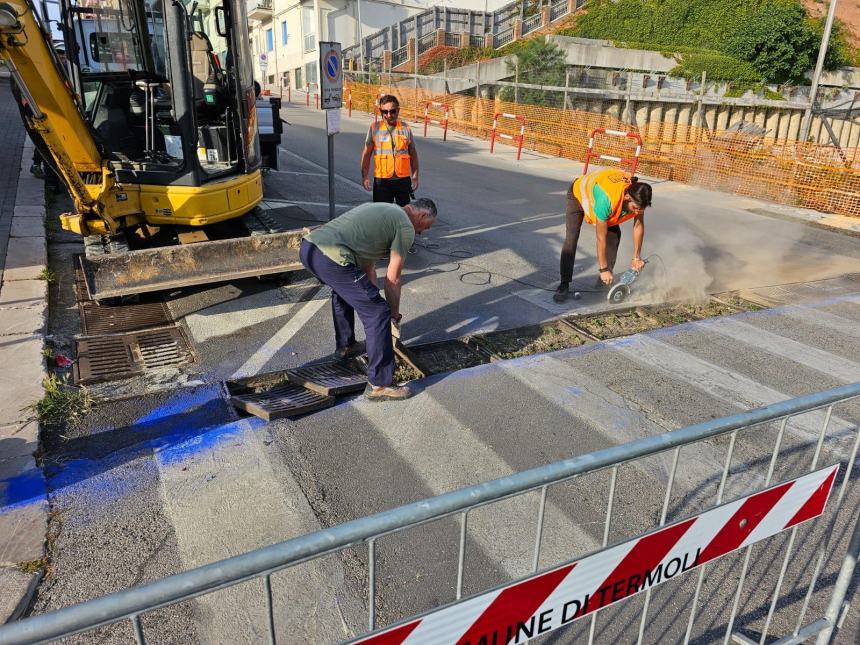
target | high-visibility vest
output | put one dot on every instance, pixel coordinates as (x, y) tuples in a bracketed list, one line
[(599, 186), (391, 150)]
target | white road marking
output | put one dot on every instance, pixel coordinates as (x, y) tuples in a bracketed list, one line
[(224, 498), (272, 346), (816, 317), (316, 165), (818, 359)]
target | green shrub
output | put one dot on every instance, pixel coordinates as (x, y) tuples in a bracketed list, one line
[(718, 67)]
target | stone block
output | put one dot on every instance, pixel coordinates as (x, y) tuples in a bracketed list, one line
[(20, 387), (26, 258), (16, 591), (24, 321), (27, 227), (29, 211), (19, 294), (23, 511), (19, 440)]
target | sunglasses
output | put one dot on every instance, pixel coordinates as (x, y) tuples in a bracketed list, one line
[(394, 111)]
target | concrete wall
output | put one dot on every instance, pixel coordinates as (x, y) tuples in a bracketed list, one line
[(601, 53)]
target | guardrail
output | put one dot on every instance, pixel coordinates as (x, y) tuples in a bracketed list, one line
[(262, 563), (531, 23), (452, 39), (399, 56), (557, 9), (503, 38), (427, 41)]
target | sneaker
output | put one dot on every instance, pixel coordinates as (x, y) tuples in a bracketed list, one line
[(562, 292), (388, 393), (350, 351), (36, 171)]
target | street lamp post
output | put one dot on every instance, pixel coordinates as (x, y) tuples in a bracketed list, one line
[(816, 75)]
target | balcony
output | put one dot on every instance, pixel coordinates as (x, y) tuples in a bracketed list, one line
[(260, 9)]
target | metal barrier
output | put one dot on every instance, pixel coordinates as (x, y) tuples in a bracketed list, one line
[(633, 161), (519, 138), (747, 519), (444, 119)]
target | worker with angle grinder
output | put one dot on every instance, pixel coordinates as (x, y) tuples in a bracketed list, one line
[(605, 199)]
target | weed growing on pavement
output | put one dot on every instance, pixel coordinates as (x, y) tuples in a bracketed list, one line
[(62, 402), (48, 353), (48, 275), (33, 566)]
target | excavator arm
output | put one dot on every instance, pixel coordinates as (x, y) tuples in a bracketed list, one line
[(52, 113)]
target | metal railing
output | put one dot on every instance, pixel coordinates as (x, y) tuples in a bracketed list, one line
[(476, 41), (427, 41), (503, 38), (557, 9), (531, 23), (262, 563), (452, 39), (399, 56)]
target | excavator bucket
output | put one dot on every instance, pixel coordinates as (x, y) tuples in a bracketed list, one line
[(171, 267)]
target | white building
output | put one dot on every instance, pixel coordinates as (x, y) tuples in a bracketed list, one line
[(284, 33)]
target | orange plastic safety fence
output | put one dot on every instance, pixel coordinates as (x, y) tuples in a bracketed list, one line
[(788, 172)]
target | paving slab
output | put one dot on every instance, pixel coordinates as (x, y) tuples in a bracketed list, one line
[(16, 321), (27, 226), (26, 258), (21, 387), (16, 590), (19, 294), (23, 506), (18, 439), (29, 210)]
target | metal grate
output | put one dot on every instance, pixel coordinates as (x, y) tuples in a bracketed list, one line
[(108, 358), (331, 379), (281, 401), (105, 359), (102, 319), (165, 347), (82, 292)]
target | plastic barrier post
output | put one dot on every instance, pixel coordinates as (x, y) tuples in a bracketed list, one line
[(522, 136), (426, 117), (493, 132), (316, 101), (445, 131), (632, 161)]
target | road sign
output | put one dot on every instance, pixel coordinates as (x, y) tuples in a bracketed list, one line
[(331, 76), (264, 62)]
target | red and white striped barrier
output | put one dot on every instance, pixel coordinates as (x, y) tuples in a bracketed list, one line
[(443, 123), (376, 113), (633, 161), (514, 137), (542, 603)]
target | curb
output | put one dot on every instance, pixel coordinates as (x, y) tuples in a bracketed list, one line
[(23, 318)]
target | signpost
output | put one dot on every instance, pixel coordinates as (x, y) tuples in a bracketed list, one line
[(331, 91)]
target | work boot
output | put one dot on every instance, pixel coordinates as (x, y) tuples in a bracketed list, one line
[(562, 292), (36, 171), (350, 351), (387, 393)]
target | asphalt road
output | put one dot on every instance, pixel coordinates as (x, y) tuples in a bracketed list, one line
[(170, 476)]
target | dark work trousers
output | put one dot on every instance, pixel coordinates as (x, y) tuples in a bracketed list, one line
[(352, 292), (397, 190), (574, 216)]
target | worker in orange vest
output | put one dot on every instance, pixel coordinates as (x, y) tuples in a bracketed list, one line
[(605, 199), (395, 160)]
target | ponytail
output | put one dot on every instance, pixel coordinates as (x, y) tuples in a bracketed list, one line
[(639, 192)]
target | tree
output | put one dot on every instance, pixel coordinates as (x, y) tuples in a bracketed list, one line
[(536, 61)]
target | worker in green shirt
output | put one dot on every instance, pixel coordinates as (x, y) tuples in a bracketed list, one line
[(343, 255)]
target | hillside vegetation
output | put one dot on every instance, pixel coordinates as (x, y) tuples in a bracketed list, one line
[(775, 41)]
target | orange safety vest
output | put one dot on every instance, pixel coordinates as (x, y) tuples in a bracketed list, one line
[(390, 150), (599, 187)]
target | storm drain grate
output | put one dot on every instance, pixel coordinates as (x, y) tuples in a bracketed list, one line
[(82, 292), (165, 347), (105, 359), (281, 401), (108, 358), (103, 319), (330, 379)]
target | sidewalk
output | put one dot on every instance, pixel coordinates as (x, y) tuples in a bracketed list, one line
[(23, 315)]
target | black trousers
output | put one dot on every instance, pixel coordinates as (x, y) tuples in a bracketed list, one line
[(397, 190), (574, 216)]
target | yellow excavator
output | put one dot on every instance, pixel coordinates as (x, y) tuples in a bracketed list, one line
[(150, 120)]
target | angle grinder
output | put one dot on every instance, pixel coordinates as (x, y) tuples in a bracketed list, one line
[(620, 291)]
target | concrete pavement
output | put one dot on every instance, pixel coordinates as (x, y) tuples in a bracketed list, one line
[(23, 312)]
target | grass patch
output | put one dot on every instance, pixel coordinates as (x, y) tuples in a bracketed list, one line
[(33, 566), (47, 275), (62, 403), (677, 314), (615, 325), (48, 353), (404, 372)]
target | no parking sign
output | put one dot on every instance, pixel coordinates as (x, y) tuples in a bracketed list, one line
[(331, 76)]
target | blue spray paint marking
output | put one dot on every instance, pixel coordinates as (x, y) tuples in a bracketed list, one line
[(182, 451), (22, 490)]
